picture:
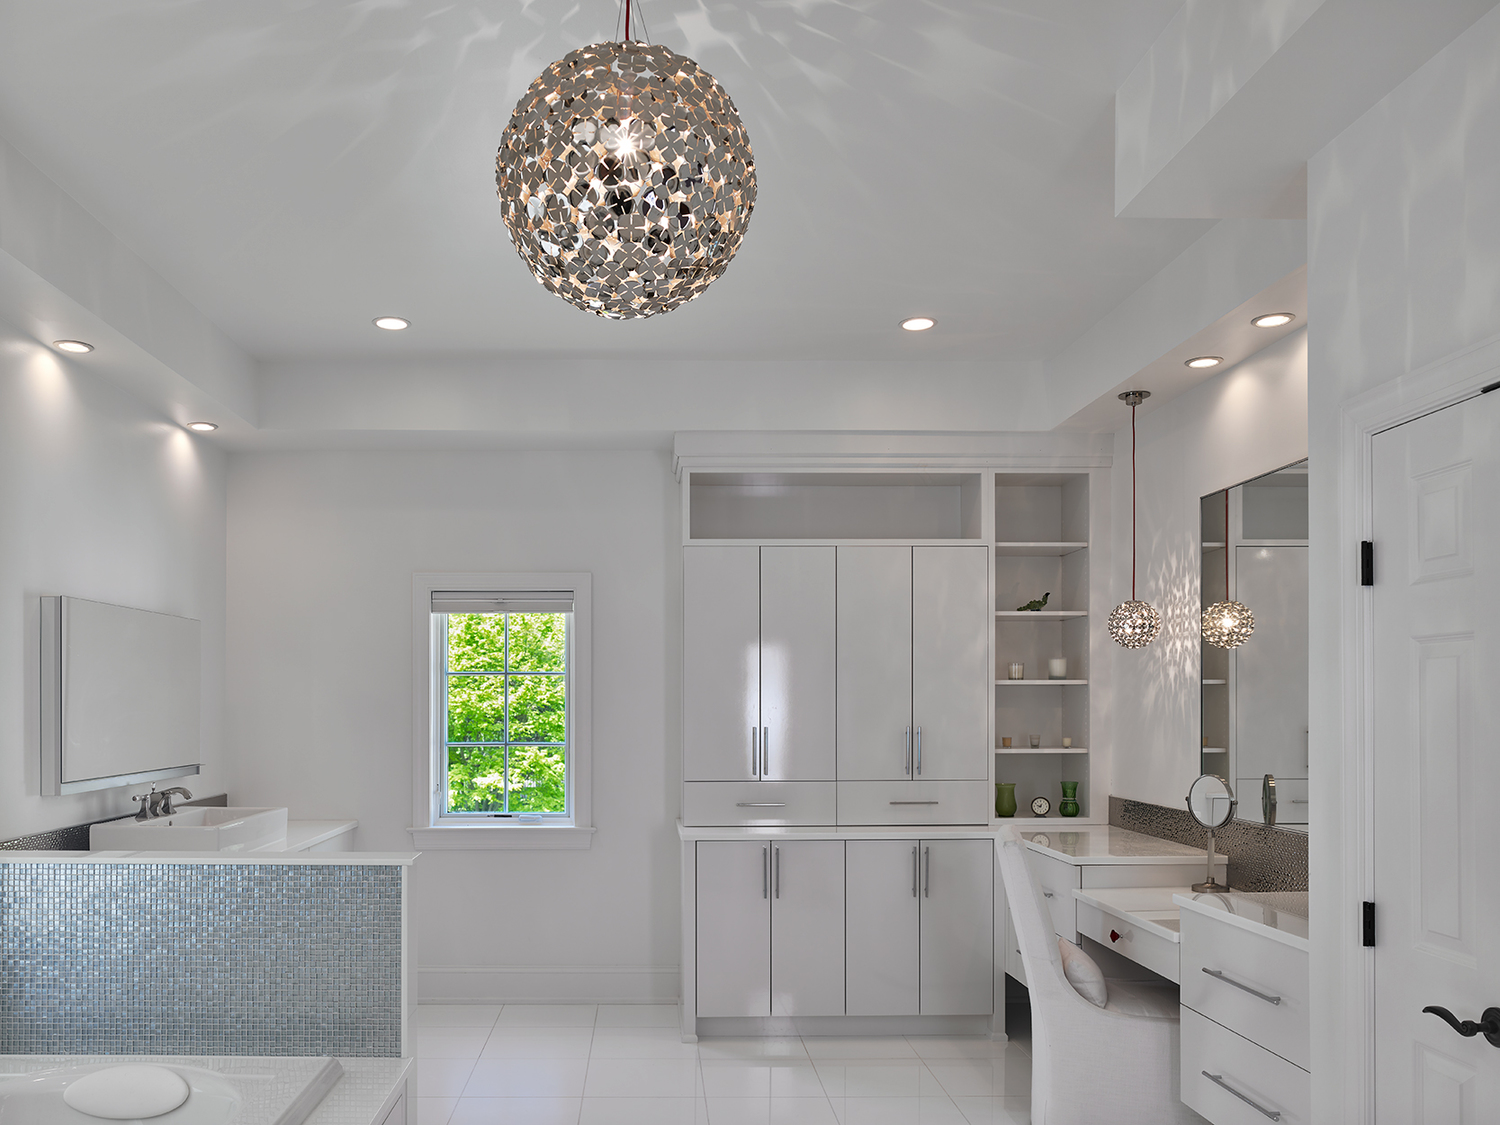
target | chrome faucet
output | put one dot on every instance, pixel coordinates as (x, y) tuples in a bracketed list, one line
[(154, 804), (166, 808)]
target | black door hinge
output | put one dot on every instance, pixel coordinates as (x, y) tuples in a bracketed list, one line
[(1369, 920), (1366, 563), (1488, 389)]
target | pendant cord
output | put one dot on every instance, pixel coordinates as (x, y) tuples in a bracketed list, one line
[(627, 20), (1132, 503), (1226, 546)]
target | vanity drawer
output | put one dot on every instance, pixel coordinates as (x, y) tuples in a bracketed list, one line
[(715, 804), (914, 802), (1058, 881), (1253, 1072), (1013, 964), (1268, 966), (1129, 940), (1106, 875)]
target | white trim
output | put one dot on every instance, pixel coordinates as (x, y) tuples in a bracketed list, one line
[(1440, 384), (426, 832)]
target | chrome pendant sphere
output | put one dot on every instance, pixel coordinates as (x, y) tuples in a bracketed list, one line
[(1228, 624), (626, 179), (1134, 624)]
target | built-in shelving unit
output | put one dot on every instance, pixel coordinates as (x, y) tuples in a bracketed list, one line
[(1041, 750)]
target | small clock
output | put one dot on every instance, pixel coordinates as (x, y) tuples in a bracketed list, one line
[(1041, 806)]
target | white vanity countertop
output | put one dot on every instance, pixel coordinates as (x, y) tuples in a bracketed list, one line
[(306, 833), (1281, 915), (835, 832), (1090, 844), (1154, 909), (365, 1094), (271, 859)]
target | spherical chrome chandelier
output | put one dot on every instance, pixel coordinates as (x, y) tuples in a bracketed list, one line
[(1227, 624), (1134, 624), (626, 179)]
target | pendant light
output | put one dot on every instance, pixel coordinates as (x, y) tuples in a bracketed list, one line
[(1134, 624), (625, 178), (1227, 624)]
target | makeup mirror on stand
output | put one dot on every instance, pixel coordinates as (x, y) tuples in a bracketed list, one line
[(1211, 803)]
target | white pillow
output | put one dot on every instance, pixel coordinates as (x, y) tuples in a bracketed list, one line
[(1083, 974)]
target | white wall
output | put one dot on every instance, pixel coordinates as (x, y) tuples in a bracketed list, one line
[(1245, 422), (1403, 269), (102, 498), (322, 547)]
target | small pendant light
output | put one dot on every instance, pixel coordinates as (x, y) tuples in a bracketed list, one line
[(1134, 624), (1227, 624)]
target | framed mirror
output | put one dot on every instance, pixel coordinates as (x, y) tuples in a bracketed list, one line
[(1254, 645)]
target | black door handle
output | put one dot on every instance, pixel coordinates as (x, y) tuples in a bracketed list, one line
[(1488, 1025)]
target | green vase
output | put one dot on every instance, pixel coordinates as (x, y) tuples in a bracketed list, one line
[(1005, 798), (1069, 806)]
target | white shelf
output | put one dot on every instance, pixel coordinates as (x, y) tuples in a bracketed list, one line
[(1042, 750), (1039, 683), (1017, 548), (1049, 614), (1215, 750), (1213, 683), (1211, 546)]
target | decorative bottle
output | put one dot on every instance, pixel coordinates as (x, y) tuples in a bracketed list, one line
[(1005, 798)]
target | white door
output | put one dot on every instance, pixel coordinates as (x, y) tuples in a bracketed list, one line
[(958, 927), (734, 928), (1436, 669), (874, 663), (807, 928), (797, 677), (721, 663), (883, 931), (952, 680)]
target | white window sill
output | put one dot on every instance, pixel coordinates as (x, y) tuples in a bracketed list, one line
[(501, 837)]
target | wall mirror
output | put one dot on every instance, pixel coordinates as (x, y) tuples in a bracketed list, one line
[(1255, 692)]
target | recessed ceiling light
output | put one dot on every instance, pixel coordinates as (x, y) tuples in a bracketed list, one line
[(203, 427), (78, 347), (1273, 320), (1205, 361), (918, 323), (392, 323)]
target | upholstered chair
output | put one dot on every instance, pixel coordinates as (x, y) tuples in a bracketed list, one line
[(1090, 1065)]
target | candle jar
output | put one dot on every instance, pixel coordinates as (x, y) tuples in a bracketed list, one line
[(1018, 671), (1057, 668)]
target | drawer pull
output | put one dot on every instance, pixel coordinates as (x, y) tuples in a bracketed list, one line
[(913, 802), (1114, 935), (1242, 987), (1046, 894), (760, 804), (1218, 1080)]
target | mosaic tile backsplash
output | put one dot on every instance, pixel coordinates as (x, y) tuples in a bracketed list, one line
[(99, 958), (1260, 858)]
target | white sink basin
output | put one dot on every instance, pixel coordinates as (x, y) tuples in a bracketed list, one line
[(192, 830)]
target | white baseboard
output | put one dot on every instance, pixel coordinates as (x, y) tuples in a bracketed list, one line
[(548, 984)]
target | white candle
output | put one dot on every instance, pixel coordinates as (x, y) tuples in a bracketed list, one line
[(1057, 667)]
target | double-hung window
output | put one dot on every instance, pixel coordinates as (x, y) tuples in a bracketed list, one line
[(506, 710)]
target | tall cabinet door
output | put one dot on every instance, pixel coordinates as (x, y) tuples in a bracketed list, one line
[(958, 919), (952, 681), (721, 662), (874, 663), (883, 935), (807, 928), (734, 928), (797, 677)]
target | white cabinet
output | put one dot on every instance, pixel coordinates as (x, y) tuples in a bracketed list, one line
[(875, 663), (758, 663), (770, 928), (921, 927)]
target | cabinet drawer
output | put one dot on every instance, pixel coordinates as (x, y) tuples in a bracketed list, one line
[(1105, 875), (1257, 962), (1058, 881), (914, 802), (1129, 940), (1253, 1072), (713, 804)]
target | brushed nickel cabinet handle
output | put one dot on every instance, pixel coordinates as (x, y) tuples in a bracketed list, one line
[(760, 804), (919, 751), (1218, 1080), (906, 753), (914, 802), (777, 850), (765, 872), (755, 751), (1217, 975), (914, 869)]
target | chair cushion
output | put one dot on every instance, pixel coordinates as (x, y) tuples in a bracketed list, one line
[(1157, 1000), (1083, 974)]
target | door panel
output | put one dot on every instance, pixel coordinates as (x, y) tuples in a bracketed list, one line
[(1435, 662), (874, 663), (807, 928), (797, 675), (958, 919), (734, 928), (952, 679), (883, 930), (721, 661)]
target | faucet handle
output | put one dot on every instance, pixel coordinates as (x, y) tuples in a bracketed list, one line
[(148, 803)]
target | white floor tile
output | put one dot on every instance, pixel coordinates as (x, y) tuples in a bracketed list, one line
[(995, 1111), (547, 1015), (760, 1078), (450, 1042), (639, 1015), (878, 1078), (770, 1111), (644, 1111), (641, 1043), (1009, 1076), (457, 1015), (873, 1047), (516, 1111), (434, 1111), (527, 1078), (966, 1047), (897, 1111), (769, 1047), (642, 1078), (442, 1078), (538, 1043)]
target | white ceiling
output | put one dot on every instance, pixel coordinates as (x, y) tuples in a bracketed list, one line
[(296, 167)]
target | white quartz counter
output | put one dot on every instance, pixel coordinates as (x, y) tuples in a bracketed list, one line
[(835, 832), (365, 1094), (268, 859), (1104, 844), (1280, 915)]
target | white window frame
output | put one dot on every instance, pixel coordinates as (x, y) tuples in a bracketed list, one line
[(430, 830)]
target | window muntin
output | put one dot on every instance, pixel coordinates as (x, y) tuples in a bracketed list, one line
[(503, 694)]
